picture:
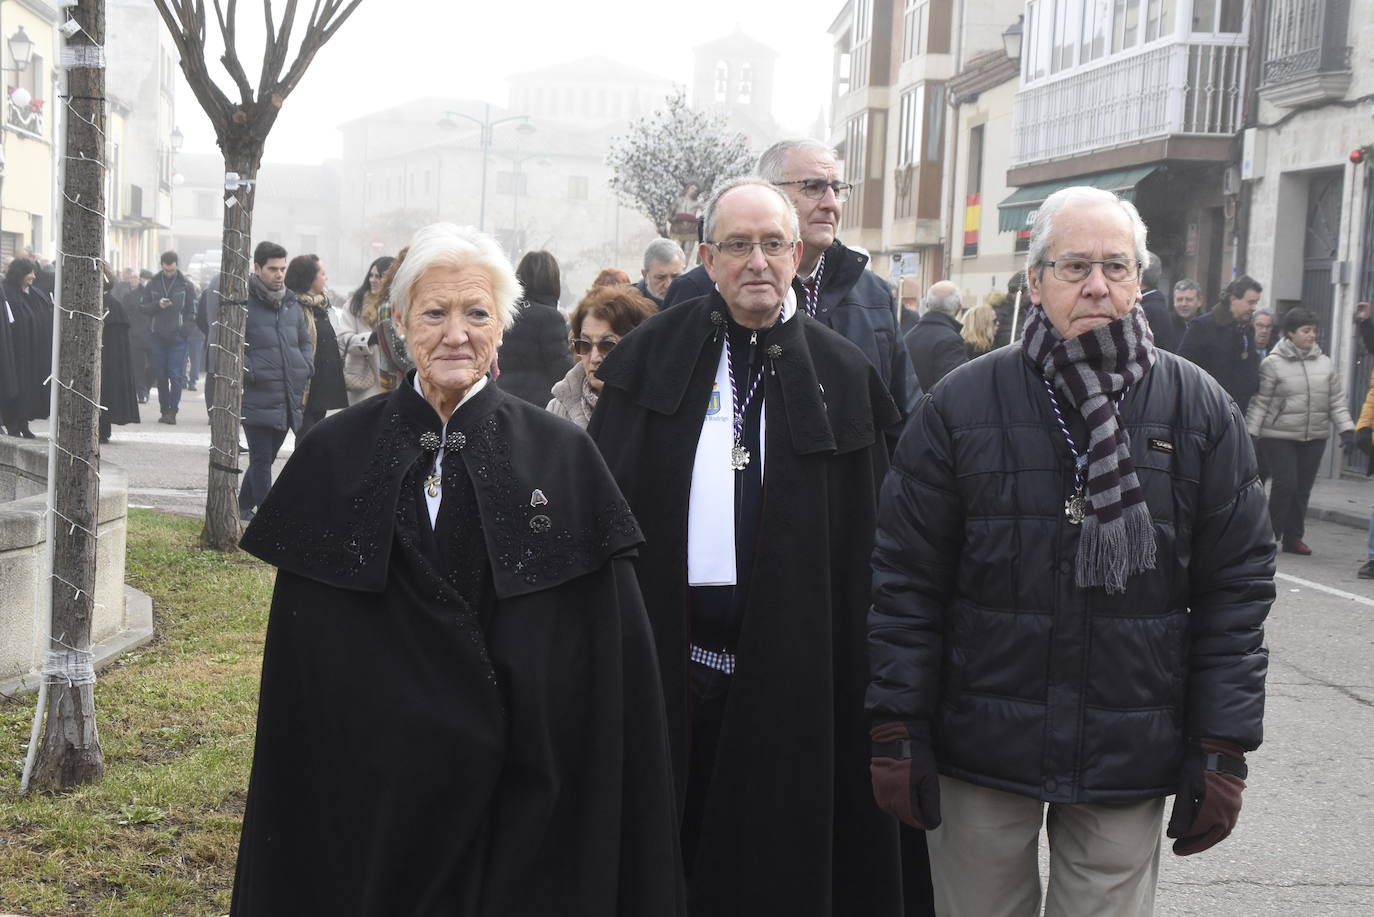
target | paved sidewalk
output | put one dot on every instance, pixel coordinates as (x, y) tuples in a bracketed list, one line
[(1345, 501)]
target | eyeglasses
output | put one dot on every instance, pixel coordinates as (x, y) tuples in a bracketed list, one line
[(582, 346), (742, 248), (1117, 270), (815, 188)]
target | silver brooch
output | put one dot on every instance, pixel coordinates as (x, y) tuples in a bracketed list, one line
[(429, 441), (455, 440), (541, 524)]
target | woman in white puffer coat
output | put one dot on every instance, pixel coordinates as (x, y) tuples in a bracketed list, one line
[(1300, 399)]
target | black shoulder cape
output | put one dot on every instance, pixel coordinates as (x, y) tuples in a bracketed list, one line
[(790, 825), (417, 757)]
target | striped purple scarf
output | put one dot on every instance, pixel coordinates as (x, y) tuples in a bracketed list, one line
[(1091, 372)]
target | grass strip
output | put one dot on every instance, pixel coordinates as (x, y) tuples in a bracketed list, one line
[(158, 836)]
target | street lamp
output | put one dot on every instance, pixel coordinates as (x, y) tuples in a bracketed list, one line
[(178, 138), (485, 138), (21, 50), (1011, 38)]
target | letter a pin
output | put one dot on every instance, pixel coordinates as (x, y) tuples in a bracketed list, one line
[(538, 499)]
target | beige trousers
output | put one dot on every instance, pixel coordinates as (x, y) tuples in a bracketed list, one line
[(984, 857)]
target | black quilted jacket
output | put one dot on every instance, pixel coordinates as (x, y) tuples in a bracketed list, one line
[(1032, 684)]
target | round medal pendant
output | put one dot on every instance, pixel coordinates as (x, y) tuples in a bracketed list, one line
[(1076, 508), (739, 457)]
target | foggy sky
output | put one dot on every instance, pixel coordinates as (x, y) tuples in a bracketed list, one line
[(393, 50)]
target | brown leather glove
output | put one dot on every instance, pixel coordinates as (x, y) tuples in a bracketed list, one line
[(905, 782), (1208, 802)]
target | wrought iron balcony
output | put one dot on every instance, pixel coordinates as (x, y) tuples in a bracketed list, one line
[(27, 118), (1306, 59), (1194, 88)]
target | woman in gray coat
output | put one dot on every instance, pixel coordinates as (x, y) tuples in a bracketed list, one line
[(1300, 399), (278, 359)]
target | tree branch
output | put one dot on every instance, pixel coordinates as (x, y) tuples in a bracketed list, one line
[(230, 59), (181, 20), (322, 28)]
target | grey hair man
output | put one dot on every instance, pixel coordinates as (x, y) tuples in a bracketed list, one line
[(934, 344), (1072, 571), (681, 423), (833, 285), (1187, 299), (663, 263)]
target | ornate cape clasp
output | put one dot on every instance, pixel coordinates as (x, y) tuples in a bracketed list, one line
[(717, 319)]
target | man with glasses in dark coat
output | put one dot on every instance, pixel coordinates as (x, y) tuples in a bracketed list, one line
[(1072, 573), (758, 595), (833, 285)]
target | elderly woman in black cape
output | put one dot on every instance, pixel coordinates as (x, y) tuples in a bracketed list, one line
[(460, 708)]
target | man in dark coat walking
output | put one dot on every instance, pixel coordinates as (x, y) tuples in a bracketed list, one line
[(1222, 342), (833, 285), (935, 344), (169, 299), (757, 594), (278, 358), (1072, 573), (663, 263)]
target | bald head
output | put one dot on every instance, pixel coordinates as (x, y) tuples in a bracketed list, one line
[(943, 297)]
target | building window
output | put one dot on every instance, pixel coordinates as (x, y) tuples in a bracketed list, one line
[(855, 155), (36, 233), (426, 181), (746, 84), (1159, 19), (722, 80), (1228, 16), (909, 125), (135, 201), (1067, 17), (863, 44), (577, 187), (1097, 18), (935, 121), (1125, 25), (915, 25)]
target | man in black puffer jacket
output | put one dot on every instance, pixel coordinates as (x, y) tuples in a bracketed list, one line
[(278, 359), (1062, 624)]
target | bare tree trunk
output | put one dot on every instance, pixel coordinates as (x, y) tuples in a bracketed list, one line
[(70, 750), (222, 529)]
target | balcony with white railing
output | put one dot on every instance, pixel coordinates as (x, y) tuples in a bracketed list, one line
[(1193, 88)]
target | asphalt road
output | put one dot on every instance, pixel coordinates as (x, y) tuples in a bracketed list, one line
[(167, 465), (1305, 842)]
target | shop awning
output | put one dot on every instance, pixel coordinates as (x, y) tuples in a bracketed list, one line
[(1018, 211)]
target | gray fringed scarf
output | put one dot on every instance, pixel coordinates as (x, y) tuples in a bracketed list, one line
[(1091, 372), (275, 297)]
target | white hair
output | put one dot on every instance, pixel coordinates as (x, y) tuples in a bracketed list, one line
[(773, 162), (449, 245), (664, 250), (1042, 229), (710, 227), (947, 301)]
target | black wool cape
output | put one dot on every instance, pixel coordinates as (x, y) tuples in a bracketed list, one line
[(790, 826), (416, 756)]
